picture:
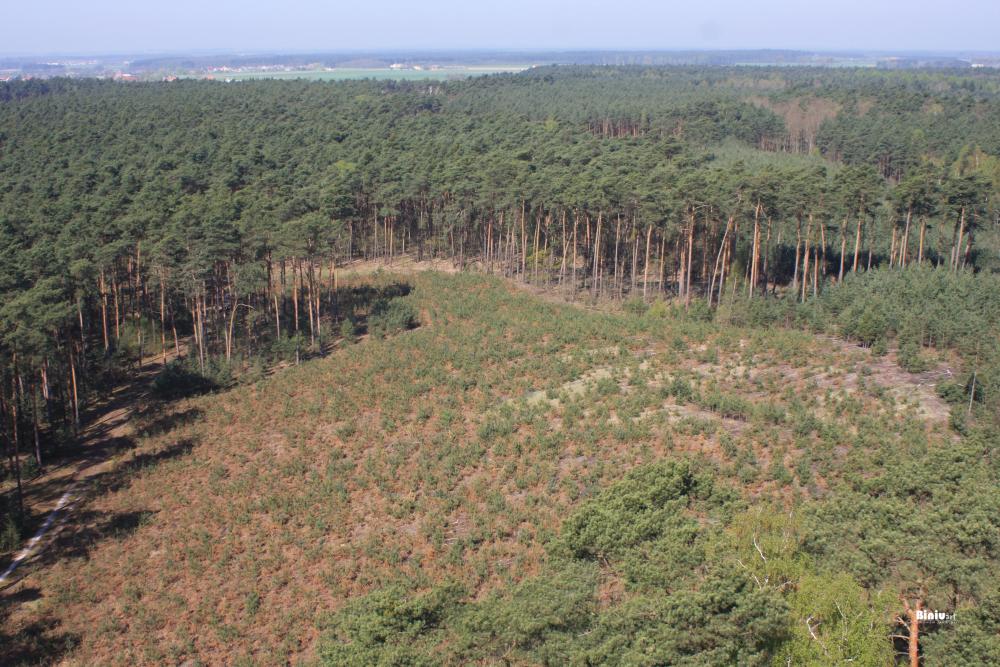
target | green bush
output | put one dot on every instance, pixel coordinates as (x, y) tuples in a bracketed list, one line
[(29, 468), (658, 309), (348, 330), (181, 378), (910, 358), (389, 627), (973, 639), (535, 623), (869, 327), (726, 405), (953, 392), (391, 317), (699, 311), (639, 508), (681, 390), (10, 527), (635, 306)]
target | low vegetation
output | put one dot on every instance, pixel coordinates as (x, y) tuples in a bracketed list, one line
[(522, 481)]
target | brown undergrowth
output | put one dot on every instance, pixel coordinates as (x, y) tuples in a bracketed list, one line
[(451, 452)]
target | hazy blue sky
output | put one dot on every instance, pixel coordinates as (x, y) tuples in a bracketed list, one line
[(110, 26)]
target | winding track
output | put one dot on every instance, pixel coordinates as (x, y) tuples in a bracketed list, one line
[(65, 502)]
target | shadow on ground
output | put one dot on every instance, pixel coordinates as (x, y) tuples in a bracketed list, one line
[(39, 642)]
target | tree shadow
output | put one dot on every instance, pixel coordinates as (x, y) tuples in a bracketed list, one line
[(77, 530), (180, 379), (77, 538), (165, 422), (121, 476), (358, 301), (38, 642), (362, 303), (75, 534)]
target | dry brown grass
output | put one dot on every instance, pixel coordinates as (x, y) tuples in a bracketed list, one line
[(450, 452)]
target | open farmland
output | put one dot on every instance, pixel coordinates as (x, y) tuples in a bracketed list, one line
[(344, 73)]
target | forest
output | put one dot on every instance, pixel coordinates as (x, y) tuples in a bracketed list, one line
[(208, 228)]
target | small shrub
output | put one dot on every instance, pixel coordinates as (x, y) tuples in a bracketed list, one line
[(953, 392), (769, 413), (778, 472), (348, 330), (647, 502), (732, 407), (635, 306), (958, 421), (699, 311), (29, 468), (181, 378), (680, 390), (870, 327), (391, 317), (910, 358), (10, 533), (658, 309), (879, 348)]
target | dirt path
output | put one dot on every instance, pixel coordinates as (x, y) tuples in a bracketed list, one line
[(67, 479)]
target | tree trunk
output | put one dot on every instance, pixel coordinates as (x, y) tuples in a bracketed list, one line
[(690, 260), (857, 244), (805, 258), (618, 229), (956, 251), (104, 311), (923, 232), (798, 251), (755, 255), (892, 246), (524, 242), (163, 321), (913, 631), (76, 399), (538, 231), (718, 262), (597, 256), (663, 252), (16, 444), (562, 266), (815, 273), (843, 249), (277, 316), (645, 266), (575, 226), (905, 244)]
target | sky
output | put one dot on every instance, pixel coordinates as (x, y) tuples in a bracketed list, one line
[(154, 26)]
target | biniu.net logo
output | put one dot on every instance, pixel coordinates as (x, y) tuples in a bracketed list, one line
[(934, 616)]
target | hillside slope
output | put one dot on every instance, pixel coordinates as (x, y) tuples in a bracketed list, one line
[(452, 454)]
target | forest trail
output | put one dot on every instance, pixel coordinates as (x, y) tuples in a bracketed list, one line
[(67, 480)]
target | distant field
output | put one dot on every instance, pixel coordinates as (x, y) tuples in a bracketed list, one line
[(340, 74)]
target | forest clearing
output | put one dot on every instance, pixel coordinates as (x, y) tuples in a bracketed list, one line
[(580, 365), (404, 462)]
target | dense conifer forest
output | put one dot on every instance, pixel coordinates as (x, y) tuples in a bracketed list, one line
[(208, 227)]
